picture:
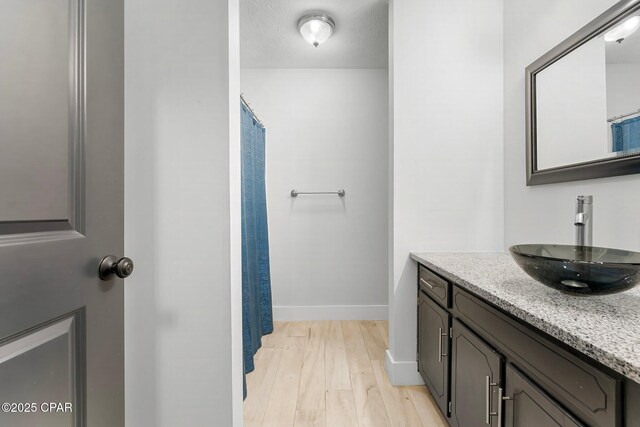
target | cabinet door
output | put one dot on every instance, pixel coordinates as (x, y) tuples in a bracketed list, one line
[(475, 376), (433, 350), (529, 406)]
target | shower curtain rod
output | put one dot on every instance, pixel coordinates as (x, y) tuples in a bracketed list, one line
[(622, 116), (253, 113)]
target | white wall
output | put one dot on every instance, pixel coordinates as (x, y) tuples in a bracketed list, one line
[(623, 88), (446, 78), (326, 130), (532, 27), (623, 93), (571, 108), (183, 355)]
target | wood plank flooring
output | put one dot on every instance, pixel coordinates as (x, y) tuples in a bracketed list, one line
[(331, 374)]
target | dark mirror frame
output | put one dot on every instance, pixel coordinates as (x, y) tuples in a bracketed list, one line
[(621, 165)]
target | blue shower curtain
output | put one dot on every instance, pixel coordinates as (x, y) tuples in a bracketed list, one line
[(257, 313), (626, 135)]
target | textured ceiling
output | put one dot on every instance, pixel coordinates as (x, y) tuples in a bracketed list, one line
[(269, 35)]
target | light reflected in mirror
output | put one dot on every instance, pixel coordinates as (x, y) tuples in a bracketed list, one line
[(588, 102)]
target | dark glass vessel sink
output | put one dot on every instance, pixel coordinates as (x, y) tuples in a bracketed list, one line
[(579, 269)]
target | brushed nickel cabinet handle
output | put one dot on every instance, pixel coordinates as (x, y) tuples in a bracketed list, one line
[(501, 398), (440, 353), (487, 418), (427, 284), (490, 414)]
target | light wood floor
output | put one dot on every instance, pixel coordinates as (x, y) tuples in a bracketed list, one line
[(331, 374)]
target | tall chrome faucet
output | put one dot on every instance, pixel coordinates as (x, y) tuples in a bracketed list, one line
[(584, 221)]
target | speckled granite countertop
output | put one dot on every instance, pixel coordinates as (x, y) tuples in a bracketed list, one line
[(606, 328)]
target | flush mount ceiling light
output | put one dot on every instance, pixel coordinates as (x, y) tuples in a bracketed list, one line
[(316, 28), (624, 30)]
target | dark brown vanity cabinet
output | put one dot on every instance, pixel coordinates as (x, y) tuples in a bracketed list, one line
[(434, 286), (433, 349), (475, 380), (486, 368), (529, 406)]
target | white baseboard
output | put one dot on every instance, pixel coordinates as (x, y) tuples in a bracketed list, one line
[(331, 312), (402, 373)]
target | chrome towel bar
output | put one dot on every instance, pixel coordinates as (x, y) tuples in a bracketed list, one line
[(295, 193)]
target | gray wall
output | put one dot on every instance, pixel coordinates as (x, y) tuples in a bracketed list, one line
[(183, 355), (545, 213), (326, 129)]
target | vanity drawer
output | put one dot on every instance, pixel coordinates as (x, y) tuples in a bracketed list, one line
[(434, 286), (591, 394)]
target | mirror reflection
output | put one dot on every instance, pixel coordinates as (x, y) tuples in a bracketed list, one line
[(588, 102)]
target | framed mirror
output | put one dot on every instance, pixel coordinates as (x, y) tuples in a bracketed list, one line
[(583, 102)]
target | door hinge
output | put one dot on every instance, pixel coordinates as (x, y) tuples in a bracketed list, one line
[(450, 407)]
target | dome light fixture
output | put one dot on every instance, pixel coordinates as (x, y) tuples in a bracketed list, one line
[(316, 28), (624, 30)]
